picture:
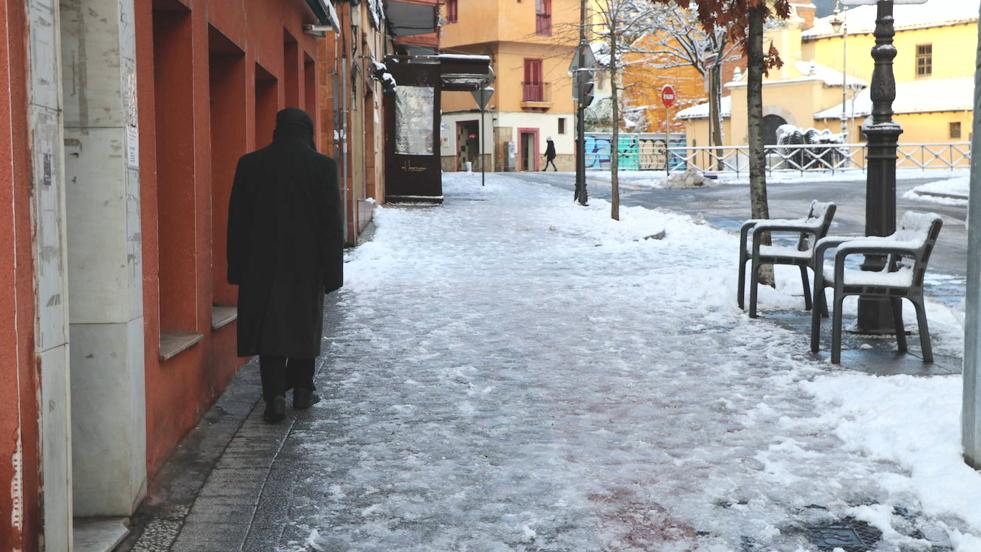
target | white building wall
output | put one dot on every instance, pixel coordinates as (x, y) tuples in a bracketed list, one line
[(547, 125), (50, 269)]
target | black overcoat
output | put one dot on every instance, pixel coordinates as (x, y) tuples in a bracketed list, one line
[(550, 150), (285, 242)]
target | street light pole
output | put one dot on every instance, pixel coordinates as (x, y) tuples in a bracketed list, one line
[(844, 78), (875, 315)]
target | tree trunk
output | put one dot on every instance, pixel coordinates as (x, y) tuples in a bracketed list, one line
[(754, 110), (615, 145), (715, 106)]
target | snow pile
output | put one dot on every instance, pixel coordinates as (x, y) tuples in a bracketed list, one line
[(914, 422), (690, 178), (953, 191)]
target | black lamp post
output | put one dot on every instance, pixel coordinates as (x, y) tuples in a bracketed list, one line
[(875, 314)]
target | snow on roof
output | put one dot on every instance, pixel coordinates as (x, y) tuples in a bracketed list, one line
[(920, 96), (464, 57), (808, 71), (701, 111), (601, 52), (861, 19)]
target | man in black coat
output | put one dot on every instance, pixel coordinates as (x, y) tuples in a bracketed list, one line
[(285, 252)]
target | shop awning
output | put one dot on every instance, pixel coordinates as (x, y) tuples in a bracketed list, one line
[(465, 72)]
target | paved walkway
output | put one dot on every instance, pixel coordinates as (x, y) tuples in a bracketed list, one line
[(510, 372)]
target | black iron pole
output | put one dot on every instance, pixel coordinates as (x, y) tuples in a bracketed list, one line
[(581, 194), (875, 314), (482, 101)]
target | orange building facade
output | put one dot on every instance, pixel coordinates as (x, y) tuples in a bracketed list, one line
[(531, 45)]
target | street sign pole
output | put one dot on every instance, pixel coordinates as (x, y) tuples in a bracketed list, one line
[(482, 96), (481, 129), (971, 410), (667, 98)]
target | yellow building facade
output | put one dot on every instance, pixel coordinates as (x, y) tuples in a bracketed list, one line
[(934, 72), (531, 44)]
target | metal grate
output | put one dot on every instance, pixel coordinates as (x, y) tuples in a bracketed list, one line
[(847, 534)]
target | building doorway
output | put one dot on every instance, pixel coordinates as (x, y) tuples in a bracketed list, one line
[(468, 144), (528, 149), (769, 129)]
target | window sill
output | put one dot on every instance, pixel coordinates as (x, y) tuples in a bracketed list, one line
[(222, 316), (175, 343)]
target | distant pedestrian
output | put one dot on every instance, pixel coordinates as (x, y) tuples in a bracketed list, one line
[(550, 154), (285, 251)]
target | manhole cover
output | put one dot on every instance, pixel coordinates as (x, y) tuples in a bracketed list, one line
[(848, 534)]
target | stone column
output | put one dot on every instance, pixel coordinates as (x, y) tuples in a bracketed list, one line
[(104, 256), (51, 279)]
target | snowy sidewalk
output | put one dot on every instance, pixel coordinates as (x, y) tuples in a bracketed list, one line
[(512, 372)]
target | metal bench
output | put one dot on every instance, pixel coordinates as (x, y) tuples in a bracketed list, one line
[(811, 229), (907, 254)]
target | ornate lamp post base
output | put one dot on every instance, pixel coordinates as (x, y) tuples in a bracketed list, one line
[(874, 314)]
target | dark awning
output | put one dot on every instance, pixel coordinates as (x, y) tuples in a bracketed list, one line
[(412, 17), (465, 72), (325, 12)]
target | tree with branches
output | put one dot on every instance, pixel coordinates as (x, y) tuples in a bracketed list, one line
[(744, 22), (680, 40), (619, 24)]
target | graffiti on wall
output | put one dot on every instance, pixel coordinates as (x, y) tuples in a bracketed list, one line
[(644, 152)]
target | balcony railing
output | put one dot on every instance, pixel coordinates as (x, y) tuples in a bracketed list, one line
[(543, 24), (536, 95)]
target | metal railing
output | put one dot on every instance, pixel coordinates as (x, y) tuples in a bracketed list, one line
[(535, 92), (543, 24), (809, 158)]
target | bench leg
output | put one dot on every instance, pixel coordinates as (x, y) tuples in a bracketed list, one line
[(921, 320), (754, 284), (836, 329), (741, 298), (816, 319), (807, 288), (897, 318)]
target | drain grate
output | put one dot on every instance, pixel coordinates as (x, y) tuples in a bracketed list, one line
[(847, 534)]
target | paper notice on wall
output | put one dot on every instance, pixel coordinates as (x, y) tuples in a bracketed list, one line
[(132, 147), (414, 106)]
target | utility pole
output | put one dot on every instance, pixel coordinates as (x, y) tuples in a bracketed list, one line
[(581, 195)]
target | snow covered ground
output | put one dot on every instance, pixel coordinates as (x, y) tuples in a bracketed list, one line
[(655, 179), (514, 372), (949, 191)]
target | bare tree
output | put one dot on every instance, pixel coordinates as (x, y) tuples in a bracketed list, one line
[(680, 40), (618, 25)]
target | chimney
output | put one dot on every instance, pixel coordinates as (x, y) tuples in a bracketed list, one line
[(806, 11)]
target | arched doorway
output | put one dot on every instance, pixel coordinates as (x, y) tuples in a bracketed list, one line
[(770, 125)]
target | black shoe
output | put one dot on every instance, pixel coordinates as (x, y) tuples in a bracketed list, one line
[(275, 410), (304, 398)]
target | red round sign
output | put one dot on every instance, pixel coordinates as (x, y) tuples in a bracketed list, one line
[(667, 95)]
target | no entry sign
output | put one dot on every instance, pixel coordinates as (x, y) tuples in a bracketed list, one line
[(667, 95)]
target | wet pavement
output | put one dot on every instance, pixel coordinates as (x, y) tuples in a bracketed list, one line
[(508, 372)]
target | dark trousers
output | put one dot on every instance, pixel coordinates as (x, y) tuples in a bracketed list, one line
[(280, 374), (552, 162)]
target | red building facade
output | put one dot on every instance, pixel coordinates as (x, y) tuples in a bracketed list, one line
[(121, 123)]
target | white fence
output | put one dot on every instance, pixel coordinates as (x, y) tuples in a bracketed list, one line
[(805, 158)]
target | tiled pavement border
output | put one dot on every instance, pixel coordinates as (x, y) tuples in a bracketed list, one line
[(205, 497)]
